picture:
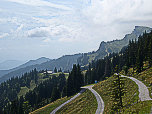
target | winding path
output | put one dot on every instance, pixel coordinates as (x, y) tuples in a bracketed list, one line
[(143, 91), (100, 108), (54, 111)]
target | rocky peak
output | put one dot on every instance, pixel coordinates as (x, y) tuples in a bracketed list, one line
[(102, 45)]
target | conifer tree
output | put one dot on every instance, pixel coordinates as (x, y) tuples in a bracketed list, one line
[(62, 81), (55, 70), (20, 109), (139, 61), (117, 91), (107, 68), (80, 78), (1, 112), (55, 93), (150, 51), (6, 112), (64, 91), (94, 75)]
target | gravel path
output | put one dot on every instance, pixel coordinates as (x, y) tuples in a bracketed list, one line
[(100, 108), (143, 91), (54, 111)]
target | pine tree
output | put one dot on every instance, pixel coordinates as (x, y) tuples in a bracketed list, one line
[(107, 68), (86, 78), (64, 91), (139, 61), (62, 81), (55, 70), (20, 109), (117, 91), (6, 112), (1, 112), (38, 105), (94, 75), (14, 107), (80, 78), (55, 93), (89, 75), (150, 51)]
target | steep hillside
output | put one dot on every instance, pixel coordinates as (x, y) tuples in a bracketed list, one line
[(64, 62), (112, 46)]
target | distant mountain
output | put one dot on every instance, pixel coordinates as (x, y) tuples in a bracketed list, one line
[(112, 46), (29, 63), (9, 64), (34, 62), (64, 62)]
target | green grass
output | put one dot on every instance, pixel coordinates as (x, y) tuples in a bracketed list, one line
[(50, 107), (129, 101), (23, 91), (26, 89), (86, 103), (145, 76)]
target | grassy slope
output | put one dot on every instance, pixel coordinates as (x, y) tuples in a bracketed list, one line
[(145, 76), (50, 107), (84, 104), (131, 104)]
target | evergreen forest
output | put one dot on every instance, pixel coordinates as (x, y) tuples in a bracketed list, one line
[(55, 87)]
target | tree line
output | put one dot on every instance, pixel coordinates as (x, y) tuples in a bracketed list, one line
[(132, 55)]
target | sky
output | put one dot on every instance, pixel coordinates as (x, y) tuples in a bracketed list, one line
[(30, 29)]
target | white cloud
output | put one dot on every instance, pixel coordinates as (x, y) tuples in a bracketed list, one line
[(47, 40), (38, 32), (44, 46), (41, 3), (93, 20), (4, 35)]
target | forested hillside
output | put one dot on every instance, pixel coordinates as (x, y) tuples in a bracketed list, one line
[(54, 87), (134, 55)]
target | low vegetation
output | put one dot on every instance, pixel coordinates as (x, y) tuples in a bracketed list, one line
[(145, 76), (86, 103), (50, 107), (130, 100)]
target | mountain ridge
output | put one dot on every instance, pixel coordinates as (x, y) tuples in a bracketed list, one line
[(112, 46), (65, 63), (29, 63)]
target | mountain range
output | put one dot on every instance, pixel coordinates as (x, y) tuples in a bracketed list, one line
[(29, 63), (66, 62), (112, 46)]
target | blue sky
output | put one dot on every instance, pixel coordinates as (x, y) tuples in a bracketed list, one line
[(30, 29)]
